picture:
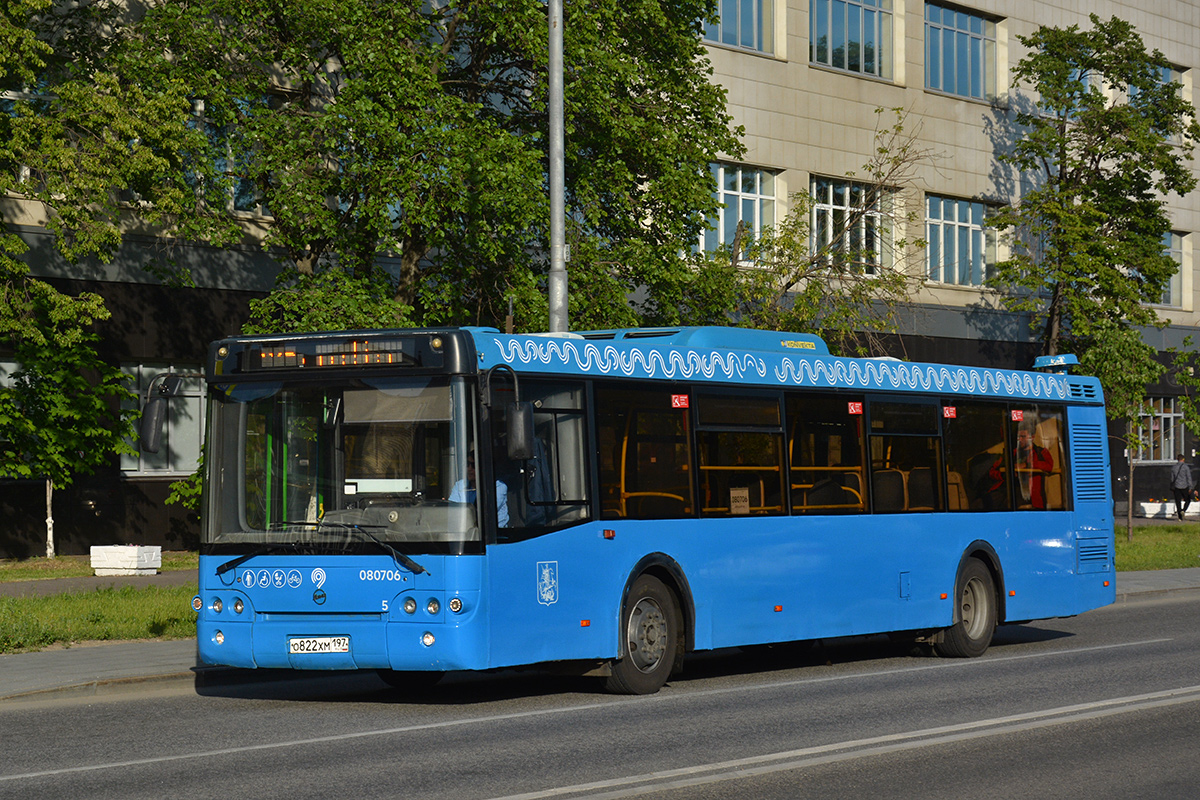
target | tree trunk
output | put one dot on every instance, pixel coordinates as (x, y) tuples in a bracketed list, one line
[(1129, 503), (412, 251), (1053, 323), (49, 519)]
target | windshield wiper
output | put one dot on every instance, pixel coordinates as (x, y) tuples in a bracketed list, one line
[(405, 561), (258, 551)]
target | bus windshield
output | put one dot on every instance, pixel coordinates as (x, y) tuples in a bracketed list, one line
[(319, 465)]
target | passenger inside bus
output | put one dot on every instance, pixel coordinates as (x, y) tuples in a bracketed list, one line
[(464, 492)]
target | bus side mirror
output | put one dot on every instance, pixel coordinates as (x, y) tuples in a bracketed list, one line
[(520, 431), (155, 411)]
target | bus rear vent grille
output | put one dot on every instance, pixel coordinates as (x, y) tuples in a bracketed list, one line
[(1092, 555), (1082, 391), (1088, 463)]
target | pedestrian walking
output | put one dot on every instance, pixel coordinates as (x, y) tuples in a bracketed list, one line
[(1182, 484)]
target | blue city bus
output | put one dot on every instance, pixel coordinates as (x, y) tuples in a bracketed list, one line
[(423, 501)]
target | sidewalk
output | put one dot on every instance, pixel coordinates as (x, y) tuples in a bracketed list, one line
[(93, 666)]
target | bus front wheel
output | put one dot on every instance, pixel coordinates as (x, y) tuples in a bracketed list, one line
[(652, 633), (974, 615)]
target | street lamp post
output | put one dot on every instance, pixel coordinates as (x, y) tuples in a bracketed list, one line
[(558, 258)]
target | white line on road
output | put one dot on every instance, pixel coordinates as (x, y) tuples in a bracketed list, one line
[(516, 715), (715, 772)]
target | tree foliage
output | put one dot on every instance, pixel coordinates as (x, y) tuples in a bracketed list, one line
[(407, 134), (1109, 140), (59, 418), (329, 299), (59, 410), (847, 283)]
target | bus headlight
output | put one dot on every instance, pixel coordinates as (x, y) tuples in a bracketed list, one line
[(427, 639), (219, 637), (238, 605), (217, 605), (455, 605), (410, 605), (434, 606), (197, 603)]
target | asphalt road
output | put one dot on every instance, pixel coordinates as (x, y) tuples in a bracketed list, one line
[(1103, 705)]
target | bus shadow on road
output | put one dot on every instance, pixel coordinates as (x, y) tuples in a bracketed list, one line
[(474, 688)]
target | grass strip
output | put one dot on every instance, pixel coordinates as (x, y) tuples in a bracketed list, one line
[(128, 612), (1158, 547), (32, 569), (165, 612)]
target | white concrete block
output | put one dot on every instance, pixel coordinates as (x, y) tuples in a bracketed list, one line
[(126, 559)]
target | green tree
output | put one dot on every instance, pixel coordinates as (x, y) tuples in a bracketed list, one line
[(1109, 140), (847, 282), (59, 412), (407, 134), (60, 418)]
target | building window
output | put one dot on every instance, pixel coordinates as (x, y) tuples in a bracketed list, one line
[(1166, 75), (183, 431), (1173, 291), (854, 35), (748, 197), (847, 222), (960, 250), (1158, 437), (241, 194), (744, 23), (960, 52)]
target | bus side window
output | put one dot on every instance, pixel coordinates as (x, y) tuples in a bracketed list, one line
[(550, 489), (906, 460), (1039, 458), (740, 451), (645, 453), (977, 457), (826, 454)]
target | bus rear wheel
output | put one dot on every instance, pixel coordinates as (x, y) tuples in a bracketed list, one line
[(652, 639), (974, 614)]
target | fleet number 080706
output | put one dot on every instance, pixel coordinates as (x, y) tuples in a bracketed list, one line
[(319, 644)]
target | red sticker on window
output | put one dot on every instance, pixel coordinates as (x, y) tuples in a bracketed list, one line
[(855, 408), (1018, 416), (679, 401), (950, 412)]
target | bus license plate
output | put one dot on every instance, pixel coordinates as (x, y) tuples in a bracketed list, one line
[(319, 644)]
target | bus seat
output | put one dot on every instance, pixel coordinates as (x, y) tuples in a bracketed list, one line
[(825, 493), (956, 499), (1047, 435), (922, 494), (888, 493), (655, 506), (853, 483)]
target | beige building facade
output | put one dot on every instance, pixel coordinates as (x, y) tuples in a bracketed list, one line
[(809, 114), (806, 77)]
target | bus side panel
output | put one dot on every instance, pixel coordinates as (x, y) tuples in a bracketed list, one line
[(751, 580), (1082, 575), (556, 597), (761, 580)]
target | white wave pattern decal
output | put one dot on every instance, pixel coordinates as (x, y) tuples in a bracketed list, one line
[(831, 372), (935, 378), (671, 365)]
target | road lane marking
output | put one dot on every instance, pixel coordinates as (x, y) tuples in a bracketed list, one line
[(518, 715), (754, 766)]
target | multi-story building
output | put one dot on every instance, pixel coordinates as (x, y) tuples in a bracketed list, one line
[(153, 329), (806, 78)]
